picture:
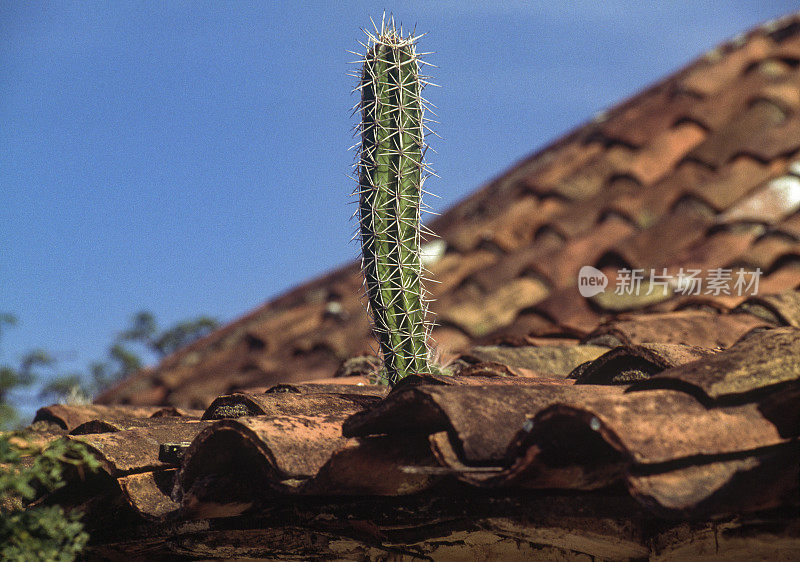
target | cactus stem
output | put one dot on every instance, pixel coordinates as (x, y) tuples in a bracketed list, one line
[(391, 172)]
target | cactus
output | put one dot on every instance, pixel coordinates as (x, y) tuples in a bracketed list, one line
[(391, 173)]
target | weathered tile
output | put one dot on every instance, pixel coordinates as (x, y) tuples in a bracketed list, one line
[(781, 308), (719, 69), (763, 480), (665, 150), (767, 250), (570, 311), (568, 158), (648, 428), (496, 309), (558, 360), (149, 493), (785, 275), (718, 250), (482, 419), (630, 363), (759, 361), (697, 328), (770, 204), (732, 182), (664, 242), (235, 463), (728, 140), (70, 417), (646, 116), (782, 139), (282, 401), (791, 226), (376, 466), (138, 450)]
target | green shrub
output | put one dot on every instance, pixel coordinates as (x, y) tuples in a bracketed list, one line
[(29, 531)]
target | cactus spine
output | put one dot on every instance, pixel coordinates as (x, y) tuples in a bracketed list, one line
[(391, 173)]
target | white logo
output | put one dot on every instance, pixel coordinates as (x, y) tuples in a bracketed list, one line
[(591, 281)]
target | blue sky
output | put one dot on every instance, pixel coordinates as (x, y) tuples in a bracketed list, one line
[(190, 158)]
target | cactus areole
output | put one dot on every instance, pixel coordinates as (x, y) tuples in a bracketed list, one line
[(391, 173)]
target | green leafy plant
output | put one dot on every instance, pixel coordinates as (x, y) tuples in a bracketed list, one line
[(391, 173), (142, 342), (13, 378), (34, 532)]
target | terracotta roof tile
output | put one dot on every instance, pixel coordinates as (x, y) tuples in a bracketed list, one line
[(759, 481), (727, 141), (375, 466), (664, 242), (285, 402), (755, 363), (782, 308), (149, 493), (561, 164), (767, 250), (647, 206), (657, 158), (720, 249), (695, 328), (649, 428), (720, 69), (782, 277), (777, 200), (629, 363), (138, 450), (496, 309), (791, 226), (573, 315), (732, 182), (528, 324), (657, 110), (483, 419), (70, 417), (557, 360)]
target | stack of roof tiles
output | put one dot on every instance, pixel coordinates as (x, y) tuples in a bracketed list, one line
[(656, 424)]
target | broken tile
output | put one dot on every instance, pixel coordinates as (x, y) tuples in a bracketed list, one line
[(149, 493), (137, 450)]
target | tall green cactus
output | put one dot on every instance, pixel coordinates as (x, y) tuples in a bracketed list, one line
[(391, 173)]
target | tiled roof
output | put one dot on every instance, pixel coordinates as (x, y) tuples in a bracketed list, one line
[(615, 426), (702, 170)]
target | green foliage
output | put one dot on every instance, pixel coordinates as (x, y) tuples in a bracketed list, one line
[(391, 173), (12, 378), (39, 532), (144, 330), (133, 347)]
